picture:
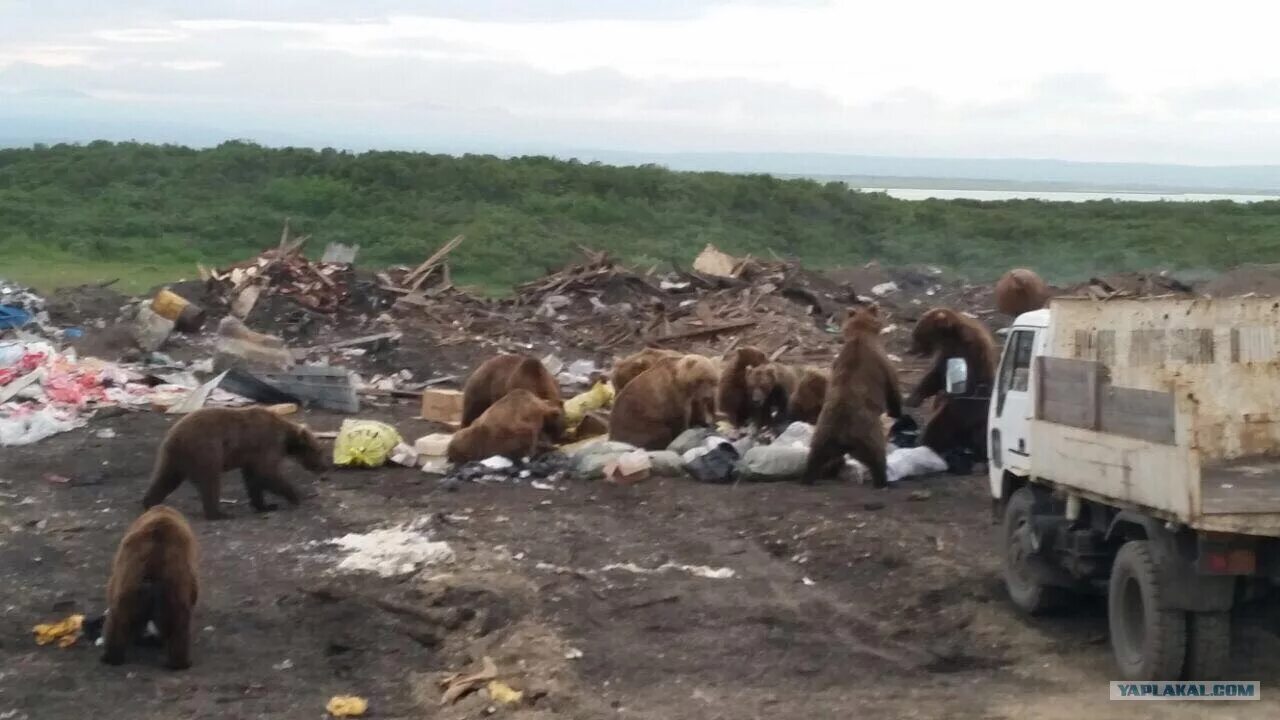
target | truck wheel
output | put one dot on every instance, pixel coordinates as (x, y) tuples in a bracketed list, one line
[(1020, 575), (1149, 643), (1208, 645)]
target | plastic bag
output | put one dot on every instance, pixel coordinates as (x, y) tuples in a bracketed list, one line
[(797, 434), (689, 439), (27, 429), (716, 465), (773, 462), (364, 443), (577, 407), (666, 463), (910, 462)]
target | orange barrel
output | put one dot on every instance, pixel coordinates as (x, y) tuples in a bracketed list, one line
[(187, 317)]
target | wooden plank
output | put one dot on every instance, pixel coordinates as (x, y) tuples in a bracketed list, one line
[(697, 332), (1141, 414), (431, 262)]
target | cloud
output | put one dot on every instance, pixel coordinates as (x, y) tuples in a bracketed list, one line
[(916, 76)]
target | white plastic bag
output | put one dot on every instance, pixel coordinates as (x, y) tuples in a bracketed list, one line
[(910, 462)]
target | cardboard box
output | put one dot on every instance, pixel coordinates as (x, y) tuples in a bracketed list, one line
[(442, 406)]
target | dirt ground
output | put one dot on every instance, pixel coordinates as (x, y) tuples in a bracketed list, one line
[(667, 600), (844, 601)]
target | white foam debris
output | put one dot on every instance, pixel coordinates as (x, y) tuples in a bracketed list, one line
[(396, 550), (705, 571)]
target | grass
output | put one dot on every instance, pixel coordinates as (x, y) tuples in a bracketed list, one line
[(50, 273)]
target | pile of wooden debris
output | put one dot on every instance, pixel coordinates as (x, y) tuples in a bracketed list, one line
[(282, 270)]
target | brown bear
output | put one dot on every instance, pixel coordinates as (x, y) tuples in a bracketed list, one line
[(771, 387), (206, 443), (864, 386), (1019, 291), (517, 426), (731, 396), (501, 374), (663, 402), (153, 579), (630, 367), (956, 421), (811, 390)]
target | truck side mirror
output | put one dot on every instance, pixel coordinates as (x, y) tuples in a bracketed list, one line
[(957, 376)]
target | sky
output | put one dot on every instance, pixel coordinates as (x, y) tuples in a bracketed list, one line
[(1128, 81)]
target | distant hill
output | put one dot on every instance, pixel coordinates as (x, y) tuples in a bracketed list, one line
[(136, 203), (53, 118)]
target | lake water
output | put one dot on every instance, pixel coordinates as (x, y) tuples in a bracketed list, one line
[(1061, 195)]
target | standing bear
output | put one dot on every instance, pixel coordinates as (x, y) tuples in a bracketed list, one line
[(501, 374), (663, 402), (956, 422), (208, 442), (732, 395), (864, 386)]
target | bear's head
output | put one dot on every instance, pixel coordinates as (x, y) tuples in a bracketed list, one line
[(303, 445), (861, 321), (761, 380), (937, 329)]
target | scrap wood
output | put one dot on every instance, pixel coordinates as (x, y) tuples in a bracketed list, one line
[(698, 332), (459, 685), (419, 274)]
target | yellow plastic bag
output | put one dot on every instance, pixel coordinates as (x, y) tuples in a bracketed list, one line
[(364, 443), (65, 631), (577, 407), (346, 706)]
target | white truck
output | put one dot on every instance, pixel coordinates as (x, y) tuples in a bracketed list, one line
[(1134, 450)]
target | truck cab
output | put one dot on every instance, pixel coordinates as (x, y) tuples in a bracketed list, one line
[(1010, 413)]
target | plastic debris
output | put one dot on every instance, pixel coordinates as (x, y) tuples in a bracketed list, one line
[(577, 407), (884, 288), (36, 426), (689, 439), (364, 443), (773, 462), (65, 632), (797, 434), (497, 462), (665, 463), (703, 571), (716, 465), (910, 462), (346, 706), (630, 467), (434, 445), (405, 455), (391, 551)]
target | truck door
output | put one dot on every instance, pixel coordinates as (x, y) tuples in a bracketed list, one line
[(1011, 407)]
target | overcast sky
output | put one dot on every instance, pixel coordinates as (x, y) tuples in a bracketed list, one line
[(1121, 80)]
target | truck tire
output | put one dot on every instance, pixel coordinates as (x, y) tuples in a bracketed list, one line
[(1026, 592), (1208, 645), (1149, 643)]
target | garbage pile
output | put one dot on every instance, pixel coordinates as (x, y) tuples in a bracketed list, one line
[(283, 270), (20, 306), (45, 391)]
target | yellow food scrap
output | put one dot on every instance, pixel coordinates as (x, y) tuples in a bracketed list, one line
[(65, 631), (503, 693), (346, 706)]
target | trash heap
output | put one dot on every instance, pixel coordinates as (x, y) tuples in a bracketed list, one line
[(283, 270), (20, 306), (45, 391)]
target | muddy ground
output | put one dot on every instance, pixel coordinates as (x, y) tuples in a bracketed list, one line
[(845, 601)]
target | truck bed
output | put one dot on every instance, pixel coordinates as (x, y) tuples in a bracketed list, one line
[(1241, 487)]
